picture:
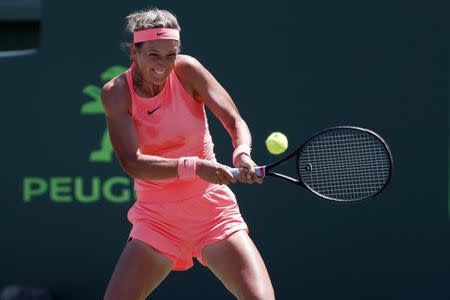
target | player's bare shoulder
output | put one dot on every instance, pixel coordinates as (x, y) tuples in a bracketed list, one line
[(189, 72), (186, 61), (186, 66), (116, 95)]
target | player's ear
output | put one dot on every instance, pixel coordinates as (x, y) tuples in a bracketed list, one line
[(133, 52)]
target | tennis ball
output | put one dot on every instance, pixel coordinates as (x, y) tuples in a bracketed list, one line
[(276, 143)]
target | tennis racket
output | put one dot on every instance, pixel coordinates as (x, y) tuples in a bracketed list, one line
[(344, 163)]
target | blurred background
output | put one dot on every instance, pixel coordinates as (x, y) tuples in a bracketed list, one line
[(295, 67)]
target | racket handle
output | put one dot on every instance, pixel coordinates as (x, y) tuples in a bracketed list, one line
[(260, 171)]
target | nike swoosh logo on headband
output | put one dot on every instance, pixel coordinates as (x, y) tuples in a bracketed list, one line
[(160, 33)]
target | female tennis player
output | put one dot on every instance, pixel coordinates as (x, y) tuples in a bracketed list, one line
[(156, 119)]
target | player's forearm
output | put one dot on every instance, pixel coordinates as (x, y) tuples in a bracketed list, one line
[(151, 167), (240, 134)]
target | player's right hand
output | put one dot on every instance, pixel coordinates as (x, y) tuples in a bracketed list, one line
[(214, 172)]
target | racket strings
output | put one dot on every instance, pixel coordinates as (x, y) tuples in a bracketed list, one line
[(345, 164), (346, 171)]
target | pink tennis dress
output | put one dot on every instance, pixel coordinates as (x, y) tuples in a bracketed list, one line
[(178, 217)]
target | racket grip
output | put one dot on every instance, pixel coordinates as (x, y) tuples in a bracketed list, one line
[(259, 171)]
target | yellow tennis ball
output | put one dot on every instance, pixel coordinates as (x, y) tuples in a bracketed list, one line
[(276, 143)]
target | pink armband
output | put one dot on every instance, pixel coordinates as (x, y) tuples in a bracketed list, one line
[(187, 167), (241, 149)]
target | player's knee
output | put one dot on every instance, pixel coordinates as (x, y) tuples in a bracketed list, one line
[(261, 292)]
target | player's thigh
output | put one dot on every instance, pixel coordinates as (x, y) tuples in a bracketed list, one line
[(237, 263), (138, 272)]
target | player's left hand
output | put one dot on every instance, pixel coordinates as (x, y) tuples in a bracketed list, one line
[(246, 170)]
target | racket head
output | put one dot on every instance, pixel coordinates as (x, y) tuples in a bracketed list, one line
[(345, 164)]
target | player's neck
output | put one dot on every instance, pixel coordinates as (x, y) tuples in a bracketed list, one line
[(146, 89)]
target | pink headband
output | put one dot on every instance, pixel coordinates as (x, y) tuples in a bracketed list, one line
[(156, 34)]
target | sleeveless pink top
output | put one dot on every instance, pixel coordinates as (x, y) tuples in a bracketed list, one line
[(171, 124)]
